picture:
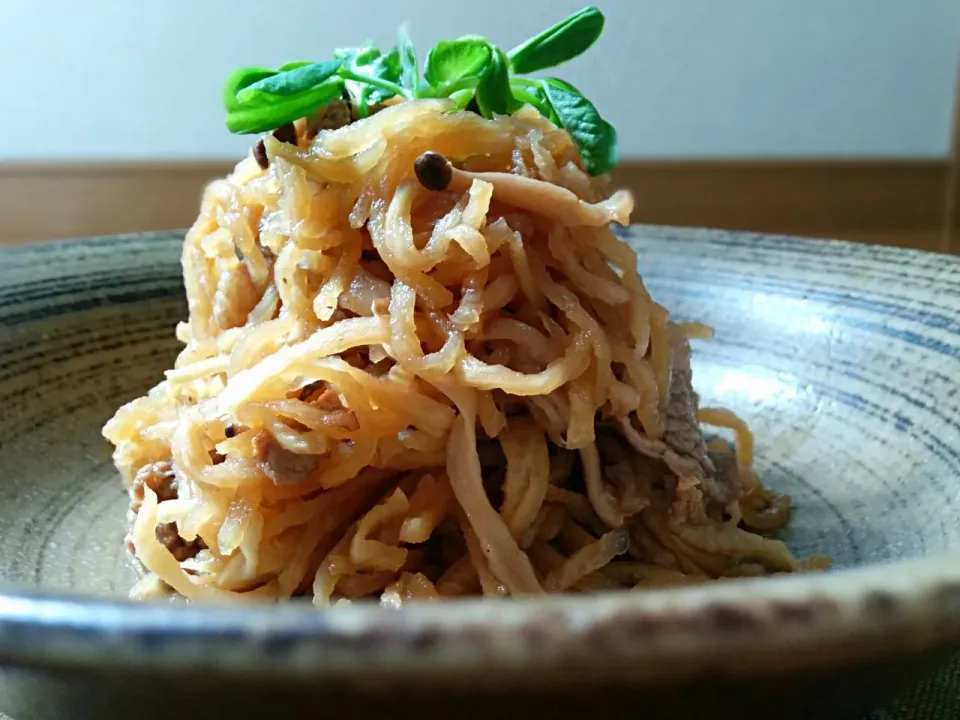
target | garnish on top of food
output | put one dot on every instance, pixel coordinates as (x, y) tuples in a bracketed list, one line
[(471, 71), (419, 364)]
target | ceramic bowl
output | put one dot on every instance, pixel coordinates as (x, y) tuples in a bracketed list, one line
[(844, 358)]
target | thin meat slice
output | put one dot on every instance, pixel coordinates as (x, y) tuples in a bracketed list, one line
[(157, 476), (182, 550), (161, 478), (682, 448), (281, 465)]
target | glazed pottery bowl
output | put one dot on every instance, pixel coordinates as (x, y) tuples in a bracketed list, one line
[(844, 359)]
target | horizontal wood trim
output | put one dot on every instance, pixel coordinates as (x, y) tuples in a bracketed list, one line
[(891, 202), (51, 201), (878, 201), (952, 229)]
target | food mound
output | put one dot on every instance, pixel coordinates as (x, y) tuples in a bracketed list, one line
[(418, 362)]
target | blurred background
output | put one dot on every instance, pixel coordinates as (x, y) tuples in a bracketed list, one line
[(817, 117)]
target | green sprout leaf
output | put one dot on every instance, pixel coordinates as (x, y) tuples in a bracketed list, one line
[(453, 60), (291, 79), (461, 99), (532, 93), (357, 56), (594, 137), (558, 44), (264, 116), (471, 71), (409, 67), (493, 92), (371, 76), (387, 68), (240, 79)]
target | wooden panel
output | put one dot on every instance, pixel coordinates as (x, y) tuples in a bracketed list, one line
[(901, 203), (40, 202), (952, 222), (862, 200)]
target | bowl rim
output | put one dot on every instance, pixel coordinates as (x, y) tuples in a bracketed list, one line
[(746, 626)]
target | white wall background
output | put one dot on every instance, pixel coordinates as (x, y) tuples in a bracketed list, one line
[(129, 79)]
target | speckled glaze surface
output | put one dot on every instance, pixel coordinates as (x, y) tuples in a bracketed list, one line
[(845, 359)]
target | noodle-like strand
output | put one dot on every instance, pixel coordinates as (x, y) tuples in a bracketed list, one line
[(411, 389)]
